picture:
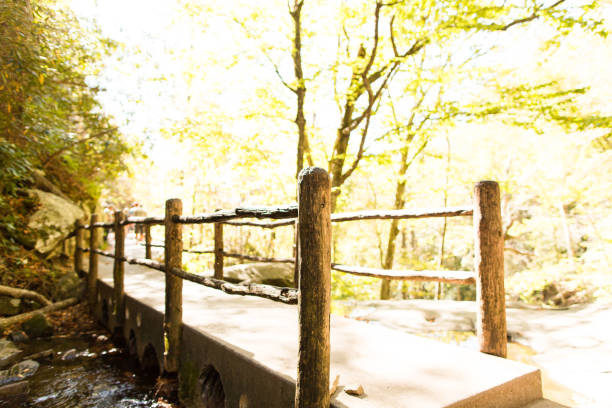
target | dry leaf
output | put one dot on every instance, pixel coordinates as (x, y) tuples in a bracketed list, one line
[(334, 387), (356, 391)]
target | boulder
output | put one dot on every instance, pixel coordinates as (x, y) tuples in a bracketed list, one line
[(18, 336), (53, 220), (19, 371), (9, 306), (277, 274), (7, 351), (20, 388), (68, 285), (37, 326)]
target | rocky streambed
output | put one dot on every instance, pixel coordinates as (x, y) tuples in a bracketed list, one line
[(83, 371), (65, 359)]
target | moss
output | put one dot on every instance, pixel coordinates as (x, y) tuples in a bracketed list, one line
[(188, 380)]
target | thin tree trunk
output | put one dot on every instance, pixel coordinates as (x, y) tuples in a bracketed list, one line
[(300, 88), (566, 232), (443, 233)]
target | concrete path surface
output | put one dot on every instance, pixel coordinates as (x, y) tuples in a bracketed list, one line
[(396, 369), (573, 347)]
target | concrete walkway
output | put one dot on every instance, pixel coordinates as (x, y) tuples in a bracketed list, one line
[(571, 346), (395, 369)]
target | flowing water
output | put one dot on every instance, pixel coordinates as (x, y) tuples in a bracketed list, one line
[(95, 375)]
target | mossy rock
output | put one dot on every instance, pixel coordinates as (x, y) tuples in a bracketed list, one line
[(37, 326), (10, 306)]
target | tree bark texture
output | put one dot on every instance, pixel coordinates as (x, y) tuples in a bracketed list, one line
[(147, 228), (173, 317), (218, 251), (314, 257), (92, 277), (457, 277), (24, 294), (119, 268), (78, 248), (9, 321), (300, 88), (489, 265)]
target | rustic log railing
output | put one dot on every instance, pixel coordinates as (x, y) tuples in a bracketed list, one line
[(313, 254)]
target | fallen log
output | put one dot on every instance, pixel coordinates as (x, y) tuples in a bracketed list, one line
[(24, 294), (8, 321)]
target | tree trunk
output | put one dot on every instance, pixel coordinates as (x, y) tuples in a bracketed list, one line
[(566, 232), (385, 287), (300, 88)]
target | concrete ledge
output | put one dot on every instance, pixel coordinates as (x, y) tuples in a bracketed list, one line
[(252, 344)]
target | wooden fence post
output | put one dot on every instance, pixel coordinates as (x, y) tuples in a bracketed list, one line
[(119, 269), (489, 265), (296, 266), (173, 317), (78, 248), (314, 257), (218, 250), (147, 228), (92, 277)]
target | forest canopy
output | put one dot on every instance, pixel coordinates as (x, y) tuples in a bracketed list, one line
[(405, 103)]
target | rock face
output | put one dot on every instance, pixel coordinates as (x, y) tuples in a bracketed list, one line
[(37, 326), (53, 221), (277, 274)]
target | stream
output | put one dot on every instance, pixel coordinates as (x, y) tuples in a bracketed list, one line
[(85, 371)]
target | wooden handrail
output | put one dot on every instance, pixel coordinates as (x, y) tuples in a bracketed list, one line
[(259, 258), (288, 214), (289, 211), (457, 277)]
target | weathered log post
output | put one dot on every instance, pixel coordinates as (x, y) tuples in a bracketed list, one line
[(119, 269), (314, 257), (296, 265), (78, 248), (173, 318), (92, 277), (218, 250), (147, 228), (489, 264)]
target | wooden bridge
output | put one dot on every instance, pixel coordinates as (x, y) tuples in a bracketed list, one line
[(259, 351)]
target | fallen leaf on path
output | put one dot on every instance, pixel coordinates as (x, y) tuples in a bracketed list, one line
[(356, 391), (334, 387)]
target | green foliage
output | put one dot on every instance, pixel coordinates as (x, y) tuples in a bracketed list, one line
[(15, 169), (553, 284), (50, 118)]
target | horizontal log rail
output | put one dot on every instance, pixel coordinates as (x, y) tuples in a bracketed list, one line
[(144, 220), (288, 214), (258, 258), (457, 277), (262, 224), (279, 294), (402, 214), (190, 251), (289, 211)]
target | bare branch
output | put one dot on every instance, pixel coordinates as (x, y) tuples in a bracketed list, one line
[(274, 65)]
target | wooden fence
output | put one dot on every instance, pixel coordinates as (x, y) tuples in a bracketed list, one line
[(312, 219)]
